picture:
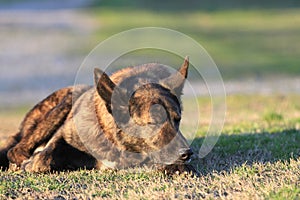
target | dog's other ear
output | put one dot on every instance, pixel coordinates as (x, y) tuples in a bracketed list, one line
[(104, 86), (175, 82)]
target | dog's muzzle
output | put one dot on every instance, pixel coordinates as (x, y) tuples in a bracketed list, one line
[(185, 155)]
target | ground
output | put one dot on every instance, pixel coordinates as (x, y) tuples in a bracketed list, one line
[(256, 157)]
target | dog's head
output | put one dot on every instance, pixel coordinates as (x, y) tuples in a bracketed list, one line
[(148, 114)]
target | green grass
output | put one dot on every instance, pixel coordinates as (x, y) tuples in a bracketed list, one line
[(276, 180), (243, 42), (286, 193), (178, 5), (257, 156), (8, 1)]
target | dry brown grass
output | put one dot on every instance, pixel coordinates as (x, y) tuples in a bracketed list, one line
[(9, 124)]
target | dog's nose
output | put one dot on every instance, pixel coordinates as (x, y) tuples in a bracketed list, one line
[(185, 154)]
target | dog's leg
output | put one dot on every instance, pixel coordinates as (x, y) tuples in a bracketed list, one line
[(41, 161), (11, 142), (40, 124), (59, 155)]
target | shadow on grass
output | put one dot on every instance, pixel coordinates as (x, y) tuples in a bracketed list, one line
[(233, 151)]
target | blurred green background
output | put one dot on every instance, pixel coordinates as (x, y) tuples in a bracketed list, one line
[(245, 38)]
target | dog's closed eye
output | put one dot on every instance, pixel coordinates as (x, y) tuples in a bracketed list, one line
[(158, 114)]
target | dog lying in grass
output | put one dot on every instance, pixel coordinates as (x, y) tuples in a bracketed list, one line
[(126, 120)]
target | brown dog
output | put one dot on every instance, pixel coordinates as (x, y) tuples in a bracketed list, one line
[(129, 119)]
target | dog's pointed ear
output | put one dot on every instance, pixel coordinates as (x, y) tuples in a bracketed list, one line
[(104, 85), (175, 82)]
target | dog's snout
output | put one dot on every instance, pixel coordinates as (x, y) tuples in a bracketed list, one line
[(185, 154)]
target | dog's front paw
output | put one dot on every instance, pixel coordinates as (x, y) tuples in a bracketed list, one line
[(13, 167), (37, 163), (17, 155)]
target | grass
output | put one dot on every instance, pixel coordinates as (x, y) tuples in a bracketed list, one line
[(257, 156), (242, 42), (276, 180), (8, 1), (211, 5)]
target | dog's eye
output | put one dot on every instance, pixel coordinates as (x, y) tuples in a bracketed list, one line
[(158, 114)]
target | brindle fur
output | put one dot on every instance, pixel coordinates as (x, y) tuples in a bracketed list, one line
[(48, 137)]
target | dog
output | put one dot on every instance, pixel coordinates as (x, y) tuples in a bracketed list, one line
[(128, 119)]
